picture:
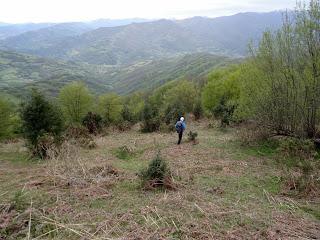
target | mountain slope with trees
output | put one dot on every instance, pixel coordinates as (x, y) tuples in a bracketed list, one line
[(19, 72)]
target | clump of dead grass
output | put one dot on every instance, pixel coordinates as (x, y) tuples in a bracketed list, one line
[(70, 168), (79, 135), (251, 134)]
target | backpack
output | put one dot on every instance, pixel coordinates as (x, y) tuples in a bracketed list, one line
[(179, 126)]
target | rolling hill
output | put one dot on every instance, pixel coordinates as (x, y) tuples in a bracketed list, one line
[(45, 37), (153, 40), (8, 30), (19, 73), (147, 76)]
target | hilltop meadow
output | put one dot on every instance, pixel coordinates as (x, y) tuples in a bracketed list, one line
[(223, 190)]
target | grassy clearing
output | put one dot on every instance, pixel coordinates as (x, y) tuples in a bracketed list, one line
[(225, 191)]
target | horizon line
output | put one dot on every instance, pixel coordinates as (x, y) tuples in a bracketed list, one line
[(138, 18)]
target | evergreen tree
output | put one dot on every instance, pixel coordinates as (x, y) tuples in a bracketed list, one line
[(40, 118)]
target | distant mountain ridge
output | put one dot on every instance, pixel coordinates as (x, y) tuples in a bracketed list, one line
[(11, 30), (148, 40)]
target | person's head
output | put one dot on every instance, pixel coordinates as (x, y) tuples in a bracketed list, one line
[(182, 119)]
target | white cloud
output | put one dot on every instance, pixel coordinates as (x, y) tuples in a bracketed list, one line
[(77, 10)]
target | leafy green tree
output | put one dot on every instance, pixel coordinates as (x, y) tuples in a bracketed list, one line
[(126, 114), (174, 99), (183, 96), (111, 108), (40, 118), (135, 104), (75, 101), (285, 88), (221, 94)]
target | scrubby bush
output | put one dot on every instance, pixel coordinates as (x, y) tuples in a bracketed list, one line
[(79, 135), (301, 177), (157, 174), (297, 148), (124, 126), (45, 143), (197, 110), (93, 122), (192, 136), (150, 119), (165, 128), (40, 118), (251, 134), (298, 156), (224, 111)]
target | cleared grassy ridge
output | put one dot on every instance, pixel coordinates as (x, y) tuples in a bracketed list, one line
[(225, 191)]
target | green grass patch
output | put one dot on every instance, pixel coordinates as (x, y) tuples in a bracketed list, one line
[(123, 153), (243, 185), (132, 165), (312, 210), (98, 203), (15, 157), (267, 148)]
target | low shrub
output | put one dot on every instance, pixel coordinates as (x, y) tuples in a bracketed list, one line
[(197, 110), (44, 144), (124, 126), (299, 158), (303, 180), (167, 128), (192, 136), (124, 152), (70, 167), (151, 120), (297, 148), (79, 135), (151, 125), (92, 122), (250, 133), (157, 174)]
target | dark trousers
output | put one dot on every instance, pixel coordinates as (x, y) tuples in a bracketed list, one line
[(180, 137)]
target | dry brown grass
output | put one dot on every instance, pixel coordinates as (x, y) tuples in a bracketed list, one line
[(91, 194)]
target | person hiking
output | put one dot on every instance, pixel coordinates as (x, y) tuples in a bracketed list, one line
[(180, 127)]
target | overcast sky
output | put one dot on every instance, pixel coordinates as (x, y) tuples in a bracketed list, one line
[(18, 11)]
